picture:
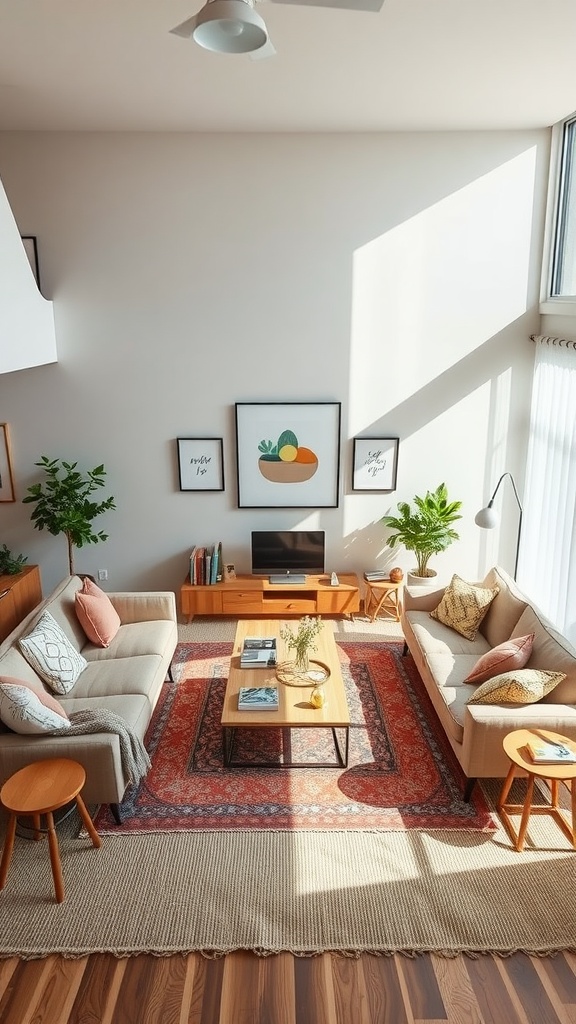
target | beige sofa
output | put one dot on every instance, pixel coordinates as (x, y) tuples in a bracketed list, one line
[(444, 659), (125, 678)]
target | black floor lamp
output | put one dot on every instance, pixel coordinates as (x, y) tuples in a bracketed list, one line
[(487, 518)]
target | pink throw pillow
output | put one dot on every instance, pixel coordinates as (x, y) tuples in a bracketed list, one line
[(511, 654), (96, 614), (45, 698)]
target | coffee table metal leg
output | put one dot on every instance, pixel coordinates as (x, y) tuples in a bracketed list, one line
[(342, 757), (227, 745)]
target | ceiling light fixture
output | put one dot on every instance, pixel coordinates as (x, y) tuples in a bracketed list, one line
[(226, 26)]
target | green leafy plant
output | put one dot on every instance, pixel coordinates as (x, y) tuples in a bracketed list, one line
[(63, 503), (304, 639), (11, 564), (426, 528)]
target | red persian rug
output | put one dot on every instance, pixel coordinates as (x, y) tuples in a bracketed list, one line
[(402, 773)]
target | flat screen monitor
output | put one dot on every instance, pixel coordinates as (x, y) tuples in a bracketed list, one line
[(287, 551)]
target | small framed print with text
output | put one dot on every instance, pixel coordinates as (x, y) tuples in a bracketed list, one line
[(200, 463), (375, 463)]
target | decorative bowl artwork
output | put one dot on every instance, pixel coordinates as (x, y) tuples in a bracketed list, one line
[(286, 462), (396, 575)]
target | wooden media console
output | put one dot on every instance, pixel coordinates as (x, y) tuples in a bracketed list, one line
[(251, 595)]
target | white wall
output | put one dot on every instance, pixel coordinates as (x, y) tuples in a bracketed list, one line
[(397, 274)]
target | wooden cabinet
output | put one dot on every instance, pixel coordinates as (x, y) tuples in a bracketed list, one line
[(248, 595), (19, 595)]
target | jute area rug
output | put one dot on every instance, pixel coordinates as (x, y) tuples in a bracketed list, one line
[(447, 891)]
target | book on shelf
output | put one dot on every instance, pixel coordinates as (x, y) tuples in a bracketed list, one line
[(206, 566), (258, 698), (258, 652), (374, 577), (543, 752)]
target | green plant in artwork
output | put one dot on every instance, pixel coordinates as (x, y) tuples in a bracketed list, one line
[(63, 503), (11, 565), (285, 460)]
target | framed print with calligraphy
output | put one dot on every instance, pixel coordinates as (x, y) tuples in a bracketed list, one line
[(375, 463), (200, 463)]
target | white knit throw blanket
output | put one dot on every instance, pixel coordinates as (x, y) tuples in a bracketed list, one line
[(135, 760)]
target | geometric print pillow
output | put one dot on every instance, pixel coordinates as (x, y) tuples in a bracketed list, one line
[(463, 606), (522, 686), (48, 650)]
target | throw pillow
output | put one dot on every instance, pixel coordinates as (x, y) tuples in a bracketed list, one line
[(523, 686), (27, 712), (513, 653), (48, 650), (96, 614), (463, 606)]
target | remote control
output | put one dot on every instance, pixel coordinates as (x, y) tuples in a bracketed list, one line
[(334, 581)]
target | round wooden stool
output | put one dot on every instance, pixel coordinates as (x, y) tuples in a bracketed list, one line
[(515, 746), (41, 788), (385, 597)]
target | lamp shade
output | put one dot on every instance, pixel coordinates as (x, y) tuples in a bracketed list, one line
[(487, 518), (229, 26)]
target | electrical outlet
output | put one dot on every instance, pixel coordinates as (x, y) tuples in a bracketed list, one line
[(102, 574)]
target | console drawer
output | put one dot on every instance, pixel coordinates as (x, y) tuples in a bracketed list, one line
[(286, 605), (242, 602)]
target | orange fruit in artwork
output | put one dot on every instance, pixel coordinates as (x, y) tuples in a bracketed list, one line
[(305, 455)]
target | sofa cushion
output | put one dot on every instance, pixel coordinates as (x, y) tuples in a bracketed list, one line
[(27, 712), (96, 614), (505, 610), (463, 606), (435, 638), (522, 686), (118, 676), (134, 638), (51, 654), (511, 654), (551, 651)]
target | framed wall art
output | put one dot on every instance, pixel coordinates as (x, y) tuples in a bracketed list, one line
[(375, 463), (288, 454), (201, 463), (6, 477)]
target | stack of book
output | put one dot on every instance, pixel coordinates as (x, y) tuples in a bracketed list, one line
[(543, 752), (259, 652), (377, 576), (258, 698), (206, 565)]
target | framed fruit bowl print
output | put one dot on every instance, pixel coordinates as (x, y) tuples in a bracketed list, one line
[(288, 454), (375, 463), (200, 463)]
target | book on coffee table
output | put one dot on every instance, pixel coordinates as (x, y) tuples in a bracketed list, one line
[(258, 652), (258, 698)]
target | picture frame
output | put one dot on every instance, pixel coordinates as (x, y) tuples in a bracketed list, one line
[(375, 463), (6, 474), (308, 473), (31, 248), (201, 463)]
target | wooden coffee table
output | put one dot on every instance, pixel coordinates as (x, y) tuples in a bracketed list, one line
[(295, 710)]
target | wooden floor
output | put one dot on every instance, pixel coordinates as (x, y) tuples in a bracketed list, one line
[(242, 988)]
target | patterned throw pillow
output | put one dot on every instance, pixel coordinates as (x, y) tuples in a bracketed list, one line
[(463, 606), (48, 650), (96, 614), (513, 653), (27, 712), (524, 686)]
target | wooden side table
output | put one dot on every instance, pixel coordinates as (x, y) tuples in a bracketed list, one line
[(384, 596), (515, 747), (39, 789)]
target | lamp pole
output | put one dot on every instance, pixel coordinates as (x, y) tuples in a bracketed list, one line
[(489, 506)]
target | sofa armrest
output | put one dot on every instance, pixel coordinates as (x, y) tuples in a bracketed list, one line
[(421, 599), (144, 606)]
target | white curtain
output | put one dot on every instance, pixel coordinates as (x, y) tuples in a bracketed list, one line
[(547, 560)]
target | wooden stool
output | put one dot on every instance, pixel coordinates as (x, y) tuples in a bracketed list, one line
[(515, 746), (41, 788), (385, 596)]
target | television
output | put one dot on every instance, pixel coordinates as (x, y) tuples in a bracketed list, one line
[(287, 552)]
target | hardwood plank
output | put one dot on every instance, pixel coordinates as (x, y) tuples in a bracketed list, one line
[(425, 999), (312, 976), (62, 983), (456, 990), (98, 991), (491, 992), (564, 1013), (278, 995), (242, 991), (7, 968), (22, 992), (384, 991), (529, 990), (350, 991)]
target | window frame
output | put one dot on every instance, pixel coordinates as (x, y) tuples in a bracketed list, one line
[(562, 168)]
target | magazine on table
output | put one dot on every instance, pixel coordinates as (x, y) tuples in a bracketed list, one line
[(258, 698), (543, 752), (259, 652)]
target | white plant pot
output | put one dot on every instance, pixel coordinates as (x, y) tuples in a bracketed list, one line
[(413, 580)]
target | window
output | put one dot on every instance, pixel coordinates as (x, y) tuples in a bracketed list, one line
[(562, 283)]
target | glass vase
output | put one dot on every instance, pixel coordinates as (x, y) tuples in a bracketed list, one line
[(301, 663)]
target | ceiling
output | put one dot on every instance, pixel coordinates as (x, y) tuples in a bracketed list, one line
[(432, 65)]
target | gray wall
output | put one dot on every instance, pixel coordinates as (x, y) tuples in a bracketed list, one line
[(397, 274)]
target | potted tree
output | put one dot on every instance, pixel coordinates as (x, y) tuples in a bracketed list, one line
[(425, 528), (63, 503)]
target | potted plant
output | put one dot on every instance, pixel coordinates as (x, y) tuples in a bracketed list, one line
[(11, 565), (426, 529), (63, 503)]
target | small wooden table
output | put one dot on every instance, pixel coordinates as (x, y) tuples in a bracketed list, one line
[(37, 789), (515, 747), (295, 710), (385, 596)]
